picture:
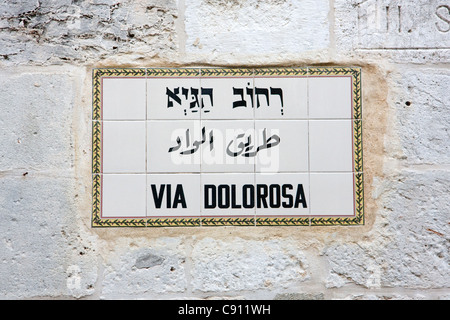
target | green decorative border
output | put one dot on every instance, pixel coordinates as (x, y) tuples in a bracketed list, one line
[(224, 221), (358, 219), (282, 221), (172, 222), (355, 73), (267, 72), (226, 72), (96, 146), (173, 72), (97, 76)]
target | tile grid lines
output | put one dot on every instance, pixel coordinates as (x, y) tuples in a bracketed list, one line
[(309, 151), (201, 154), (254, 130), (284, 220), (146, 151), (97, 121), (356, 110), (225, 73)]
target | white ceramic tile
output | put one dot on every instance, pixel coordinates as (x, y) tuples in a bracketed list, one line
[(173, 98), (123, 195), (227, 152), (123, 99), (332, 194), (233, 98), (331, 145), (330, 97), (223, 195), (173, 146), (281, 98), (282, 144), (123, 146), (173, 195), (283, 194)]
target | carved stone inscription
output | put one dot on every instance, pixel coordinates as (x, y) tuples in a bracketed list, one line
[(396, 24)]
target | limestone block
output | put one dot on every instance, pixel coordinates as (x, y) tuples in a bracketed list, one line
[(409, 246), (387, 296), (393, 24), (256, 27), (42, 252), (392, 30), (152, 269), (237, 264), (423, 115), (17, 7), (58, 31), (299, 296), (35, 126)]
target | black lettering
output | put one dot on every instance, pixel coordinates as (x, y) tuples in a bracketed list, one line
[(195, 103), (210, 204), (169, 196), (239, 103), (274, 195), (173, 95), (261, 191), (234, 205), (277, 91), (287, 196), (157, 197), (263, 91), (223, 199), (209, 92), (179, 197), (300, 197), (248, 200)]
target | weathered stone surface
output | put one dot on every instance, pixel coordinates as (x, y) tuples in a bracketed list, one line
[(394, 24), (42, 253), (299, 296), (423, 115), (58, 31), (392, 30), (145, 272), (410, 241), (237, 264), (256, 27), (148, 260), (35, 123), (47, 247)]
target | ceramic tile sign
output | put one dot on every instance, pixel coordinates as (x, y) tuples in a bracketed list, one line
[(214, 147)]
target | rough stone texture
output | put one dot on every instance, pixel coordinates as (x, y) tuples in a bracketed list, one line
[(255, 27), (368, 30), (49, 250), (237, 264), (42, 250), (299, 296), (392, 24), (145, 272), (423, 113), (42, 253), (412, 242), (65, 30), (35, 126)]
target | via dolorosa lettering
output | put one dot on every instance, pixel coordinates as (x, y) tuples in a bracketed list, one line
[(225, 196), (165, 191)]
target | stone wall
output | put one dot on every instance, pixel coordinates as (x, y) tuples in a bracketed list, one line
[(48, 249)]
